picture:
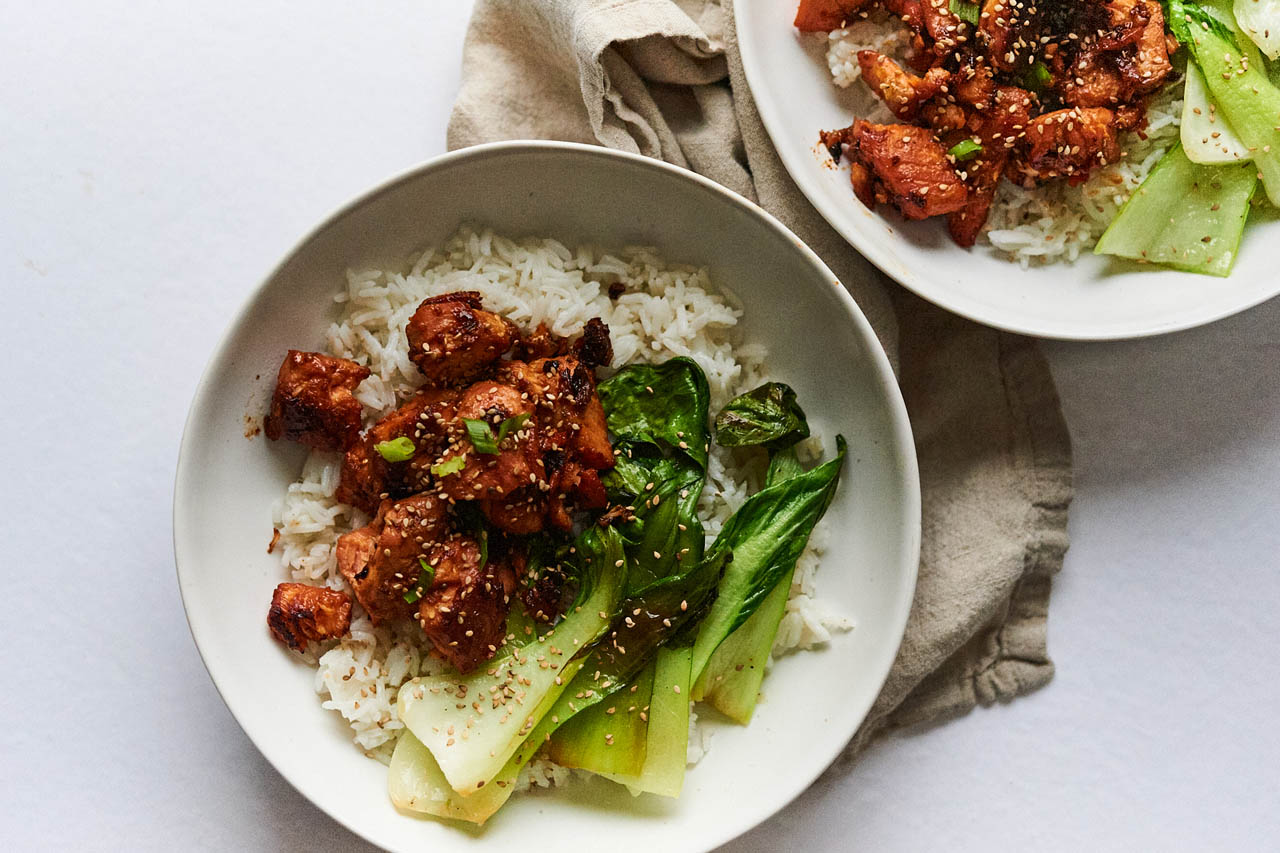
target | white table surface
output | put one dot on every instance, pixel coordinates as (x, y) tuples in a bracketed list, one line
[(158, 159)]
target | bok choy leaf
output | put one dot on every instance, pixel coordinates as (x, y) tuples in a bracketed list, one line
[(768, 416), (761, 543), (1184, 215)]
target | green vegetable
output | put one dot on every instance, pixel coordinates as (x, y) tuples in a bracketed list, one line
[(416, 782), (660, 464), (397, 450), (452, 465), (663, 615), (965, 149), (610, 737), (783, 466), (1237, 80), (510, 425), (660, 472), (763, 539), (637, 413), (731, 680), (1186, 216), (1207, 137), (1038, 77), (429, 705), (425, 577), (667, 742), (664, 746), (768, 415), (481, 435), (970, 13), (1260, 19)]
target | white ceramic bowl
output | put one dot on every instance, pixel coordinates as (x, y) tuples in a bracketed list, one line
[(1096, 298), (819, 342)]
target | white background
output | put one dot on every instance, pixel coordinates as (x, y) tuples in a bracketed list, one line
[(157, 159)]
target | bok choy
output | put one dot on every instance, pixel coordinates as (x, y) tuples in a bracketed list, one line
[(1237, 80), (658, 415), (1184, 215), (473, 723)]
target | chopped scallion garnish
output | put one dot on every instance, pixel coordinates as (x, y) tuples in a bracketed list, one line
[(965, 149), (451, 465), (510, 425), (397, 450), (481, 435), (425, 577), (1038, 77), (481, 432), (968, 12)]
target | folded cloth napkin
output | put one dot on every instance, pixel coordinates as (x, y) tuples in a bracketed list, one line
[(663, 78)]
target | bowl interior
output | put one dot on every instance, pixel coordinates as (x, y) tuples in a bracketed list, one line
[(1094, 298), (819, 343)]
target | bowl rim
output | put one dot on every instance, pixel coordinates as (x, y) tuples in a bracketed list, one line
[(906, 459), (804, 178)]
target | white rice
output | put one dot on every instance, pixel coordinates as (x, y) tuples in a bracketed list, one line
[(666, 311), (1051, 222)]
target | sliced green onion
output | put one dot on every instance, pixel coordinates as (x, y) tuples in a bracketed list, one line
[(965, 149), (450, 466), (397, 450), (970, 13), (1038, 77), (425, 577), (481, 435), (484, 548), (510, 425)]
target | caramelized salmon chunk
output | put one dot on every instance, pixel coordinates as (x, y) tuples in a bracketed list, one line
[(453, 339), (368, 476), (490, 449), (906, 167), (1070, 143), (463, 610), (826, 15), (541, 343), (1146, 66), (302, 614), (314, 402), (902, 92), (382, 561), (1029, 90), (491, 469)]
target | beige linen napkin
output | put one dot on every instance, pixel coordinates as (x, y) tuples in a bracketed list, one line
[(663, 78)]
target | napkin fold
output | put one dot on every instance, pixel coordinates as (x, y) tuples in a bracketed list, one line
[(663, 78)]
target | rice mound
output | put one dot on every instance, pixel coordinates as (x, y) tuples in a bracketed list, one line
[(665, 311), (1054, 221)]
